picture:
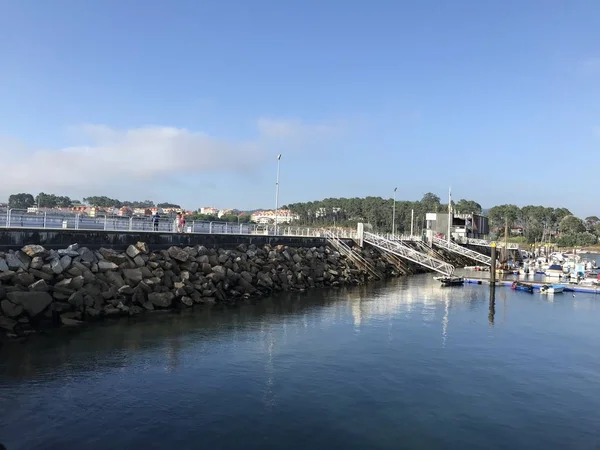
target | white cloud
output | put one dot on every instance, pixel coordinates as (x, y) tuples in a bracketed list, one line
[(107, 155)]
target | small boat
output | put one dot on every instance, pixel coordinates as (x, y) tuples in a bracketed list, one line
[(451, 281), (552, 289), (517, 286)]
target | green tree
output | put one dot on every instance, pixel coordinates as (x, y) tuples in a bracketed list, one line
[(571, 225), (167, 205), (20, 201), (467, 207)]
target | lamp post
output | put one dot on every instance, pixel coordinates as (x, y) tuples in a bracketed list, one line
[(394, 214), (277, 194)]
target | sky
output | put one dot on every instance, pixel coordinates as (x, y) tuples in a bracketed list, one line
[(190, 102)]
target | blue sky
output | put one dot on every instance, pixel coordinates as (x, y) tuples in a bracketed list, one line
[(191, 101)]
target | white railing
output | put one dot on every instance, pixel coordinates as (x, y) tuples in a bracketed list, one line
[(402, 250), (486, 243), (20, 218), (455, 248)]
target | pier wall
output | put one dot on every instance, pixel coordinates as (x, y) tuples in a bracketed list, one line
[(16, 238)]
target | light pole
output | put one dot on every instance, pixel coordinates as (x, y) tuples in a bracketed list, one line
[(394, 214), (277, 194)]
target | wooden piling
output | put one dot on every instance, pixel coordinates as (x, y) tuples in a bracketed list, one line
[(493, 267)]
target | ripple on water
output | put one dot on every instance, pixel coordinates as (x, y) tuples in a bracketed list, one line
[(403, 363)]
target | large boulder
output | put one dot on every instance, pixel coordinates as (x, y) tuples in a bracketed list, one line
[(9, 309), (34, 250), (161, 299), (33, 302), (104, 266), (132, 276), (133, 251), (178, 254)]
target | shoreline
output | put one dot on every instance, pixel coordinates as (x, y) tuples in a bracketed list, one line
[(47, 289)]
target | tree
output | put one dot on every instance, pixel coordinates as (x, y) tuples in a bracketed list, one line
[(167, 205), (501, 214), (571, 225), (467, 207), (20, 201)]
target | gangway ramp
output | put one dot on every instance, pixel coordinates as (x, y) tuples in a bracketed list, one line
[(357, 258), (399, 249), (463, 251)]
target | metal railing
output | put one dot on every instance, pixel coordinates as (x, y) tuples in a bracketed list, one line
[(20, 218), (455, 248), (404, 251)]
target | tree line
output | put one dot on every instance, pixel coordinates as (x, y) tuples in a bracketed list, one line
[(538, 223), (376, 211), (42, 200), (545, 224)]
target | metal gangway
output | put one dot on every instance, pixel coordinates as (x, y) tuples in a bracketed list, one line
[(463, 251), (406, 252), (357, 258)]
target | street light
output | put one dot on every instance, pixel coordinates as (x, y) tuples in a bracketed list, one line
[(277, 194), (394, 213)]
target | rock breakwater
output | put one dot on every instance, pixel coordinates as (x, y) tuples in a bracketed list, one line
[(42, 288)]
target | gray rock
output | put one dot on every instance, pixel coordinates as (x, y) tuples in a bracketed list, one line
[(10, 309), (23, 279), (57, 267), (126, 290), (13, 262), (132, 251), (87, 255), (3, 265), (104, 266), (178, 254), (161, 299), (65, 262), (41, 274), (7, 324), (33, 302), (36, 263), (132, 276), (187, 301), (73, 247), (6, 276), (115, 279), (69, 253), (139, 261), (143, 247), (39, 285), (34, 250)]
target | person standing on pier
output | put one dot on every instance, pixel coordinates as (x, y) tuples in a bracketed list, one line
[(155, 220), (176, 223), (181, 222)]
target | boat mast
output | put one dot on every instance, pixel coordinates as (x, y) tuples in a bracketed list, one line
[(506, 239)]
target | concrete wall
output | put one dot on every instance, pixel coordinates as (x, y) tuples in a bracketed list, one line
[(16, 238)]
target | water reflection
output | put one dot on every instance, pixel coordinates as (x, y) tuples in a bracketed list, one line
[(492, 310)]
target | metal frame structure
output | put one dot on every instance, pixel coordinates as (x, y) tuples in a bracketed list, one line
[(399, 249), (486, 243), (455, 248)]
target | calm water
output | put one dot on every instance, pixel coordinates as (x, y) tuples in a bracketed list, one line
[(405, 364)]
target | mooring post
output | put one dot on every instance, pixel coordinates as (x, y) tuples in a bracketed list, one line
[(493, 268)]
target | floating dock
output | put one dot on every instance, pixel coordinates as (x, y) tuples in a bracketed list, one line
[(536, 285)]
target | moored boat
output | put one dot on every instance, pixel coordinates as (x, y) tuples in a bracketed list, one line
[(554, 271), (552, 288), (517, 286), (450, 281)]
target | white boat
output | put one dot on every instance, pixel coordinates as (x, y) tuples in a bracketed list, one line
[(552, 289), (554, 271)]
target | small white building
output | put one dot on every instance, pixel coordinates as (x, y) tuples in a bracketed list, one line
[(266, 217)]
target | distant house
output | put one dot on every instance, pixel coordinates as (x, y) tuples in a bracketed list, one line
[(209, 211), (125, 211), (266, 217)]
